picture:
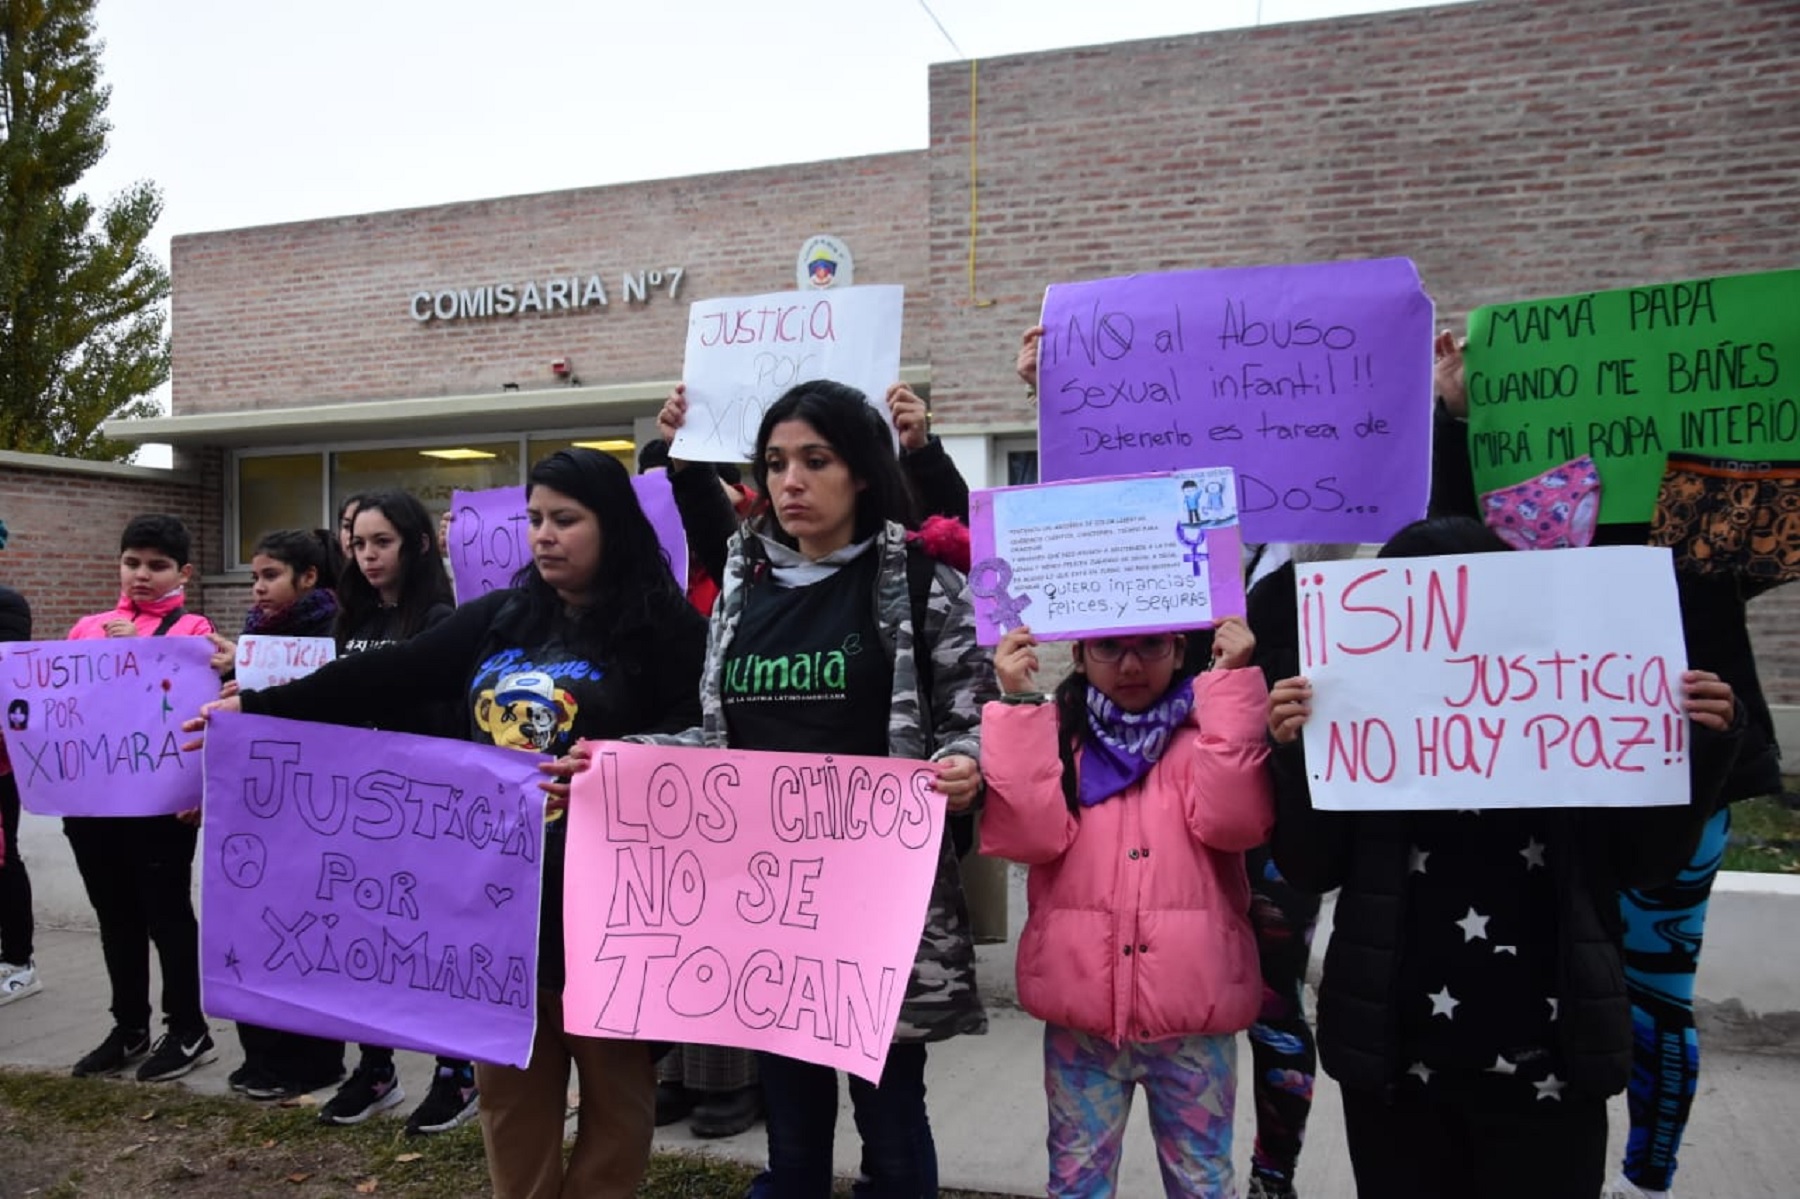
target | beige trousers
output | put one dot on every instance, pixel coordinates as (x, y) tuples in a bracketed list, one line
[(522, 1115)]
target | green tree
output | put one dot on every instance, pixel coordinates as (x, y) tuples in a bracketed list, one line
[(81, 298)]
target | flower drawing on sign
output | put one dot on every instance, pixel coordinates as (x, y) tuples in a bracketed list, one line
[(167, 707)]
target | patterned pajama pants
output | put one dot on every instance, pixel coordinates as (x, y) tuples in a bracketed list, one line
[(1663, 930), (1191, 1086)]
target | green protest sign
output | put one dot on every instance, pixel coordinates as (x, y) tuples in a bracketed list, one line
[(1709, 366)]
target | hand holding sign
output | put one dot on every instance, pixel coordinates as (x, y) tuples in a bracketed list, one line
[(1016, 662)]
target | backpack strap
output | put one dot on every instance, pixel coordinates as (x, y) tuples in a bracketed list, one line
[(921, 568), (168, 622)]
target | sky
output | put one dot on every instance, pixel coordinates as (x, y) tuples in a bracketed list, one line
[(252, 114)]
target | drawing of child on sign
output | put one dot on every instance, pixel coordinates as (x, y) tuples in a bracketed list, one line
[(525, 711), (1207, 504)]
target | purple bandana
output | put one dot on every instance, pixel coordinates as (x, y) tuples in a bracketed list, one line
[(1125, 745)]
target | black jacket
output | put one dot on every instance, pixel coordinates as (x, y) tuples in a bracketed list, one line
[(1593, 854), (438, 667)]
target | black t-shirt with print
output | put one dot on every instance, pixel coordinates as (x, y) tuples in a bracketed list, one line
[(806, 671), (1477, 983), (531, 699)]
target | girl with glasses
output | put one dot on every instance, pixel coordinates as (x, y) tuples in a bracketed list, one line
[(1132, 794)]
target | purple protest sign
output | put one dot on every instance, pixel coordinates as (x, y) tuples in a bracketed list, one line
[(394, 901), (657, 495), (487, 540), (489, 535), (93, 727), (1312, 382)]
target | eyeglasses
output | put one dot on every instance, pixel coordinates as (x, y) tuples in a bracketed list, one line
[(1108, 650)]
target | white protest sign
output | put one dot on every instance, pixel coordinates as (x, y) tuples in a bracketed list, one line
[(265, 660), (1136, 554), (1502, 680), (744, 352)]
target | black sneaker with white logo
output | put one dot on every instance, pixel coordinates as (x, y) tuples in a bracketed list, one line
[(452, 1100), (176, 1054), (122, 1047), (371, 1089)]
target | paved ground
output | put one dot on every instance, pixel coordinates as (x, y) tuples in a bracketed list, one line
[(987, 1099)]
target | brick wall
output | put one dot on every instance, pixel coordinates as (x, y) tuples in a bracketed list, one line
[(1511, 148), (317, 311), (64, 520)]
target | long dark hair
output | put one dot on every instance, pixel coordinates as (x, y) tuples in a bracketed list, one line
[(858, 435), (301, 550), (635, 593), (424, 583)]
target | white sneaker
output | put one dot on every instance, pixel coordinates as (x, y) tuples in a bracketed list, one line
[(1622, 1187), (16, 982)]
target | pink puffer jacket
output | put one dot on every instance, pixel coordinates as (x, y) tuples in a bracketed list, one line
[(1139, 926), (146, 617)]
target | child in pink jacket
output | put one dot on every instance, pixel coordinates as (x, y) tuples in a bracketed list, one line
[(137, 869), (1132, 795)]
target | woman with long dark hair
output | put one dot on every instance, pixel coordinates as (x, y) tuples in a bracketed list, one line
[(593, 640), (826, 559)]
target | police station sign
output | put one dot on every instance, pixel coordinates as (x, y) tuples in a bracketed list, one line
[(556, 293)]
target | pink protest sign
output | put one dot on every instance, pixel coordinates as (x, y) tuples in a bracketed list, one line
[(94, 726), (1312, 382), (369, 886), (1106, 556), (768, 901), (1500, 680), (490, 536)]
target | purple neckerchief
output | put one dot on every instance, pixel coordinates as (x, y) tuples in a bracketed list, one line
[(1125, 745)]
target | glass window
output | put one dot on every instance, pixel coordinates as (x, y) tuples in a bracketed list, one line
[(619, 445), (431, 473), (277, 491), (1021, 468)]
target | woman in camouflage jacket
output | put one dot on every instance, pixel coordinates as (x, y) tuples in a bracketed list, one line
[(825, 564)]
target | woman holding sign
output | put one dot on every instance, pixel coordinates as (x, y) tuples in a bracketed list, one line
[(1473, 1007), (593, 640), (826, 563)]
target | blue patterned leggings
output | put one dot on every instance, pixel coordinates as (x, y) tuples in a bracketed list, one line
[(1191, 1086), (1663, 929)]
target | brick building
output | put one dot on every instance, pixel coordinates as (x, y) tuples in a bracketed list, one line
[(1510, 148)]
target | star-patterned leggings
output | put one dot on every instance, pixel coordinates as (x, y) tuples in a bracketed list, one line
[(1191, 1086), (1663, 929)]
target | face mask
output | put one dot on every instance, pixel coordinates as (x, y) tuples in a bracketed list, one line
[(1556, 510)]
